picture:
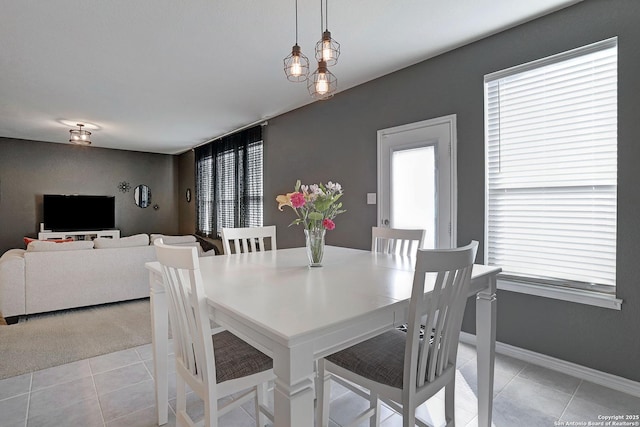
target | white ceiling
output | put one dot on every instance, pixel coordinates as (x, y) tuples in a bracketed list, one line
[(166, 75)]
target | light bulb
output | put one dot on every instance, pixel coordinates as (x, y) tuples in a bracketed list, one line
[(296, 67), (327, 53), (322, 86)]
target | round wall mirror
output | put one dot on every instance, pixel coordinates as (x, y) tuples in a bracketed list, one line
[(142, 196)]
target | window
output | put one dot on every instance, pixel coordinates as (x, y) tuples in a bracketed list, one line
[(229, 184), (551, 141)]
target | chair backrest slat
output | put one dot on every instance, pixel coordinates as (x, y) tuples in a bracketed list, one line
[(248, 239), (449, 270), (396, 241)]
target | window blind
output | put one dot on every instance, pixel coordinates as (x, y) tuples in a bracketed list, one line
[(229, 182), (551, 141)]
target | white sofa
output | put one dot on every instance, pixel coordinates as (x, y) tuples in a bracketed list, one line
[(54, 276)]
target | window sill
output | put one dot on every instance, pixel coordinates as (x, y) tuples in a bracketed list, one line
[(573, 295)]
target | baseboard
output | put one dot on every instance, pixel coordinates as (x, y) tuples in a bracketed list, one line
[(588, 374)]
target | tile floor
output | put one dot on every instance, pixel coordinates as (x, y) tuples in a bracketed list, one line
[(116, 390)]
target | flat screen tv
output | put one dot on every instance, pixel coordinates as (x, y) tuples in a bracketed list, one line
[(78, 213)]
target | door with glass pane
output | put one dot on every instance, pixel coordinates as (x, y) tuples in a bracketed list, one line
[(416, 179)]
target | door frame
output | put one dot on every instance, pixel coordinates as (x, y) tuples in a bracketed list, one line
[(449, 120)]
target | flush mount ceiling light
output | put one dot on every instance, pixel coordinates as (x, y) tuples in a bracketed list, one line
[(80, 136), (296, 65), (322, 83), (327, 49)]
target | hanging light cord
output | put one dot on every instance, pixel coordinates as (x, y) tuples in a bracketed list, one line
[(296, 21), (326, 12), (321, 18)]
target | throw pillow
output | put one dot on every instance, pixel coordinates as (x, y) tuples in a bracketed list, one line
[(28, 240), (123, 242)]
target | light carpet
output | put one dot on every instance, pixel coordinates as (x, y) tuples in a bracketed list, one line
[(62, 337)]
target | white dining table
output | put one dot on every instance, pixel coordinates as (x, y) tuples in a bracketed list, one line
[(297, 314)]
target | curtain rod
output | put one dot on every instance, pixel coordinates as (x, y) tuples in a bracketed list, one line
[(250, 125)]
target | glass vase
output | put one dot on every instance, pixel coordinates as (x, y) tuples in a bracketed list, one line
[(314, 239)]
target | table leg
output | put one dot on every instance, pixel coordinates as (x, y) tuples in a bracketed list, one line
[(486, 345), (160, 346), (294, 387)]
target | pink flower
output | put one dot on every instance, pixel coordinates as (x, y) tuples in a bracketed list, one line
[(297, 200), (328, 224)]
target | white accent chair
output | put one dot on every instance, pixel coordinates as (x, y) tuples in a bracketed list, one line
[(248, 239), (396, 240), (400, 368), (214, 366)]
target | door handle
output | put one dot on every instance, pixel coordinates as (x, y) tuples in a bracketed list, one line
[(385, 222)]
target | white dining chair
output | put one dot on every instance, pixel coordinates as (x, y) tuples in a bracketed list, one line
[(248, 239), (400, 368), (215, 366), (396, 240), (391, 241)]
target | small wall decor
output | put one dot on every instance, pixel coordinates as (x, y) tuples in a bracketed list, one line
[(142, 196), (124, 187), (187, 195)]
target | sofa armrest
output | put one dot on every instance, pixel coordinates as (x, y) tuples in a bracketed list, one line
[(12, 283)]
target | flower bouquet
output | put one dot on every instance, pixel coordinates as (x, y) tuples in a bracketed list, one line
[(315, 206)]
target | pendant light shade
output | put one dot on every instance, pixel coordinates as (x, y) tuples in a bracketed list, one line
[(322, 83), (80, 136), (327, 49), (296, 65)]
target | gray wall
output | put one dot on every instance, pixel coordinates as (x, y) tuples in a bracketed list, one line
[(29, 169), (336, 140)]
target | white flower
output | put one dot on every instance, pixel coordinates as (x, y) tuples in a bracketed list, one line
[(315, 189), (311, 192), (334, 187)]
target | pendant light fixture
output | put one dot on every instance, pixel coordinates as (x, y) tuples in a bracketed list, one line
[(80, 136), (322, 83), (327, 49), (296, 65)]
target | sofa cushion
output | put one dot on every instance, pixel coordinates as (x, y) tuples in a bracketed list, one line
[(123, 242), (174, 240), (45, 246)]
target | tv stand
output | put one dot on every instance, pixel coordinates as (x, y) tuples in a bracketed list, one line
[(78, 235)]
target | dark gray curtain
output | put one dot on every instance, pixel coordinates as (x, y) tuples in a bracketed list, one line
[(229, 182)]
